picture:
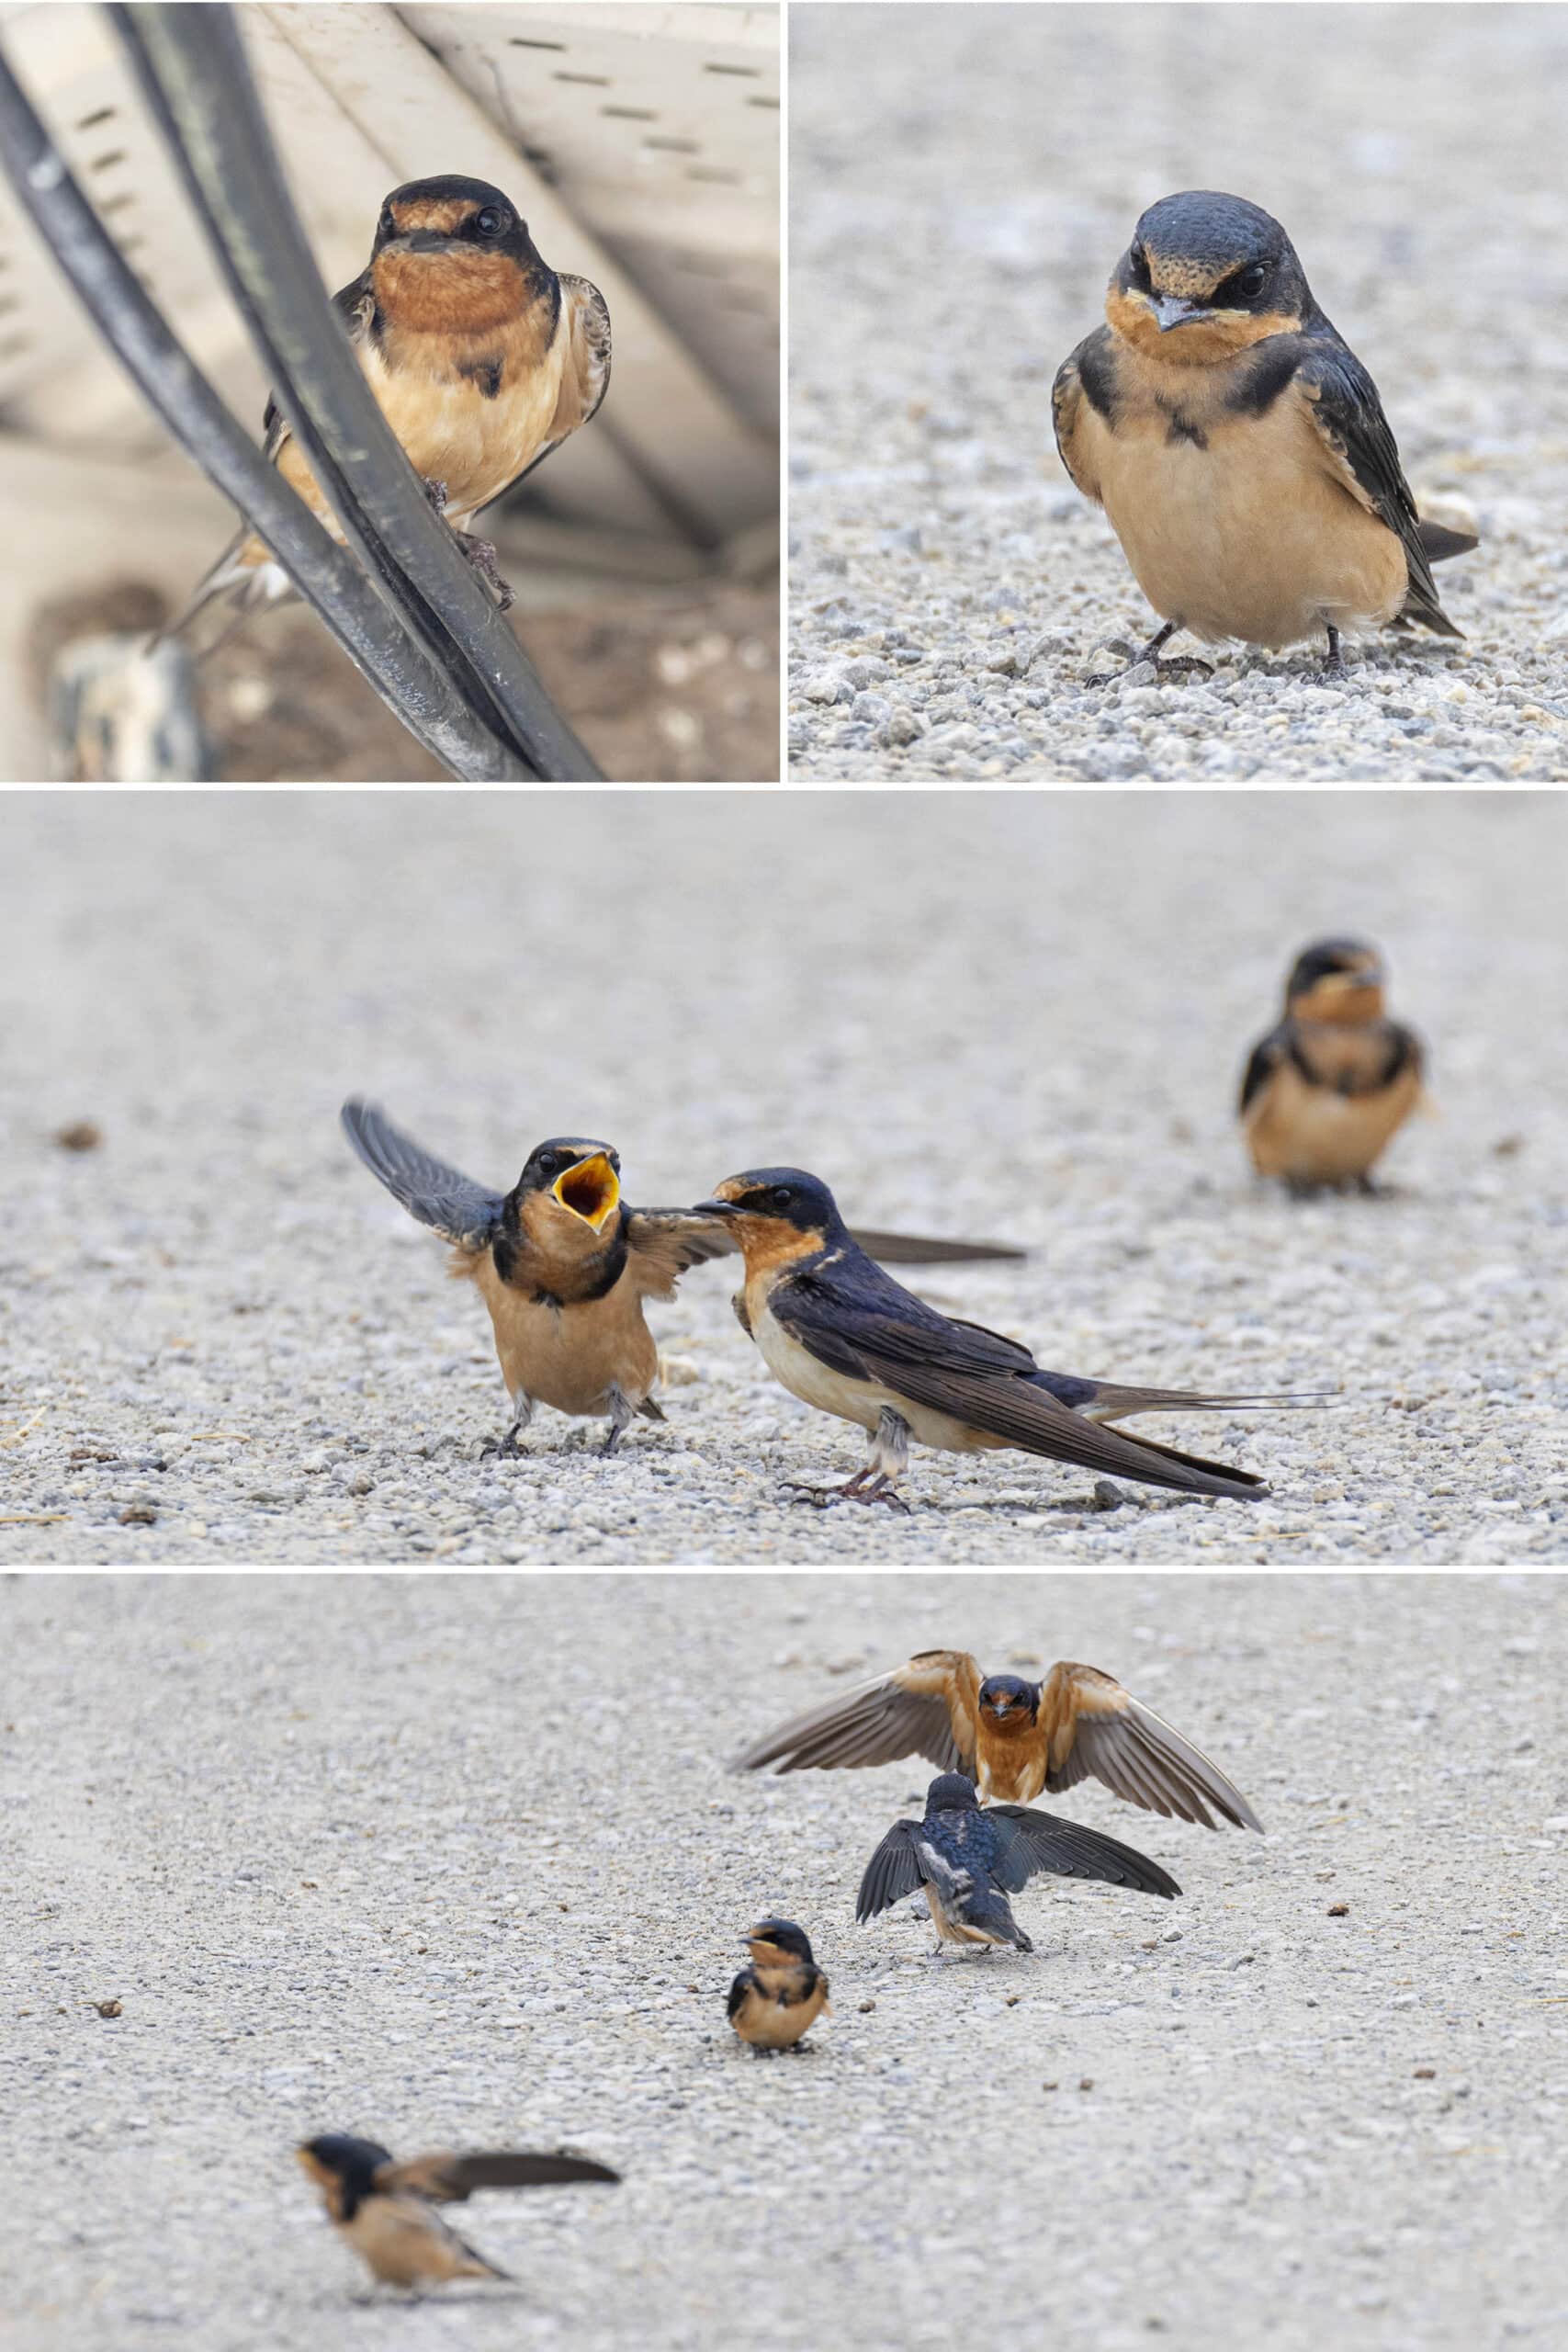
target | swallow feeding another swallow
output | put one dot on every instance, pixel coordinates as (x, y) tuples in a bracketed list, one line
[(1012, 1738), (970, 1861), (1325, 1092), (845, 1337), (387, 2210), (1237, 444), (482, 360), (783, 1992), (565, 1266)]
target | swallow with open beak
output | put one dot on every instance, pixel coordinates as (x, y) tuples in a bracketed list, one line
[(1326, 1091), (845, 1337), (387, 2210), (969, 1861), (565, 1266), (481, 358), (1012, 1736), (783, 1992), (1239, 447)]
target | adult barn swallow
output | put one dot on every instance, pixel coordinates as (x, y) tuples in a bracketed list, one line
[(1012, 1736), (783, 1992), (564, 1266), (387, 2210), (1237, 444), (970, 1861), (481, 358), (1325, 1091), (845, 1337)]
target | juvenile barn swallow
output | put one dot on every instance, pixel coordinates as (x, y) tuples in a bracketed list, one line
[(387, 2210), (847, 1339), (564, 1266), (1325, 1092), (1237, 444), (969, 1861), (773, 2002), (482, 360), (1012, 1738)]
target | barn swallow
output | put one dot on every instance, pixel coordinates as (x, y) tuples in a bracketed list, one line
[(482, 360), (773, 2002), (564, 1266), (970, 1861), (847, 1339), (387, 2210), (1012, 1736), (1325, 1092), (1237, 444)]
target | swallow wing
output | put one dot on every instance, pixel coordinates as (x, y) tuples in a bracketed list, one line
[(665, 1243), (585, 378), (1029, 1843), (439, 1196), (1261, 1064), (446, 2177), (926, 1708), (919, 1250), (1341, 401), (1095, 1729), (1084, 376), (893, 1871)]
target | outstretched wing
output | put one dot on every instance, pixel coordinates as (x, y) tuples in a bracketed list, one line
[(1095, 1728), (447, 2177), (893, 1871), (1342, 402), (1030, 1842), (926, 1708), (438, 1195), (668, 1241)]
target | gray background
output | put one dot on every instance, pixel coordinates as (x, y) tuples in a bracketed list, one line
[(963, 180)]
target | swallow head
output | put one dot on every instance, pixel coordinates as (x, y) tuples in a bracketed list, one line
[(776, 1941), (581, 1177), (338, 2160), (1336, 979), (951, 1793), (452, 255), (1008, 1699), (775, 1213), (1206, 276)]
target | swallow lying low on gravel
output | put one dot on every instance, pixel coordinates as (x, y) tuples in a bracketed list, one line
[(1325, 1092), (1012, 1738), (387, 2210), (847, 1339), (565, 1266), (1238, 445), (969, 1861), (783, 1992)]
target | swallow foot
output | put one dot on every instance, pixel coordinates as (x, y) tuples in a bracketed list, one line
[(481, 555), (437, 494), (1332, 671), (864, 1488), (502, 1449)]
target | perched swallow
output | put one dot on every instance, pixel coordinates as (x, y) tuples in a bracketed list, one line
[(387, 2210), (565, 1266), (847, 1339), (1326, 1091), (482, 359), (970, 1861), (773, 2002), (1237, 444), (1012, 1738)]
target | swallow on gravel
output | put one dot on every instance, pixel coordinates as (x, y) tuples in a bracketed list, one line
[(845, 1337), (565, 1266), (481, 358), (969, 1861), (1012, 1738), (1238, 445), (1325, 1092), (783, 1992), (387, 2210)]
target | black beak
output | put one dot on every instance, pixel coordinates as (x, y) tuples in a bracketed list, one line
[(422, 241), (714, 1208), (1173, 311)]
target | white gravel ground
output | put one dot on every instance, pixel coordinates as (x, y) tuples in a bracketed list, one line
[(1014, 1013), (962, 179), (451, 1860)]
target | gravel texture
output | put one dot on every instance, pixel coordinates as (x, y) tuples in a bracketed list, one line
[(451, 1860), (219, 1341), (962, 179)]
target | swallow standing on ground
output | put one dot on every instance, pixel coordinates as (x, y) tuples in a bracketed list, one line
[(1325, 1092), (1012, 1738), (847, 1339), (482, 359), (565, 1266), (970, 1861), (1237, 444), (773, 2002), (387, 2210)]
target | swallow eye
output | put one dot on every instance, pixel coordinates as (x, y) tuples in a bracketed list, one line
[(387, 224), (1138, 261), (781, 1197), (490, 222), (1247, 285)]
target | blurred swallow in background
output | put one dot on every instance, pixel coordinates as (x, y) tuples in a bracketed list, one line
[(970, 1861), (1012, 1736), (847, 1339), (387, 2210), (564, 1266), (783, 1992), (1239, 447), (1325, 1092), (481, 358)]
